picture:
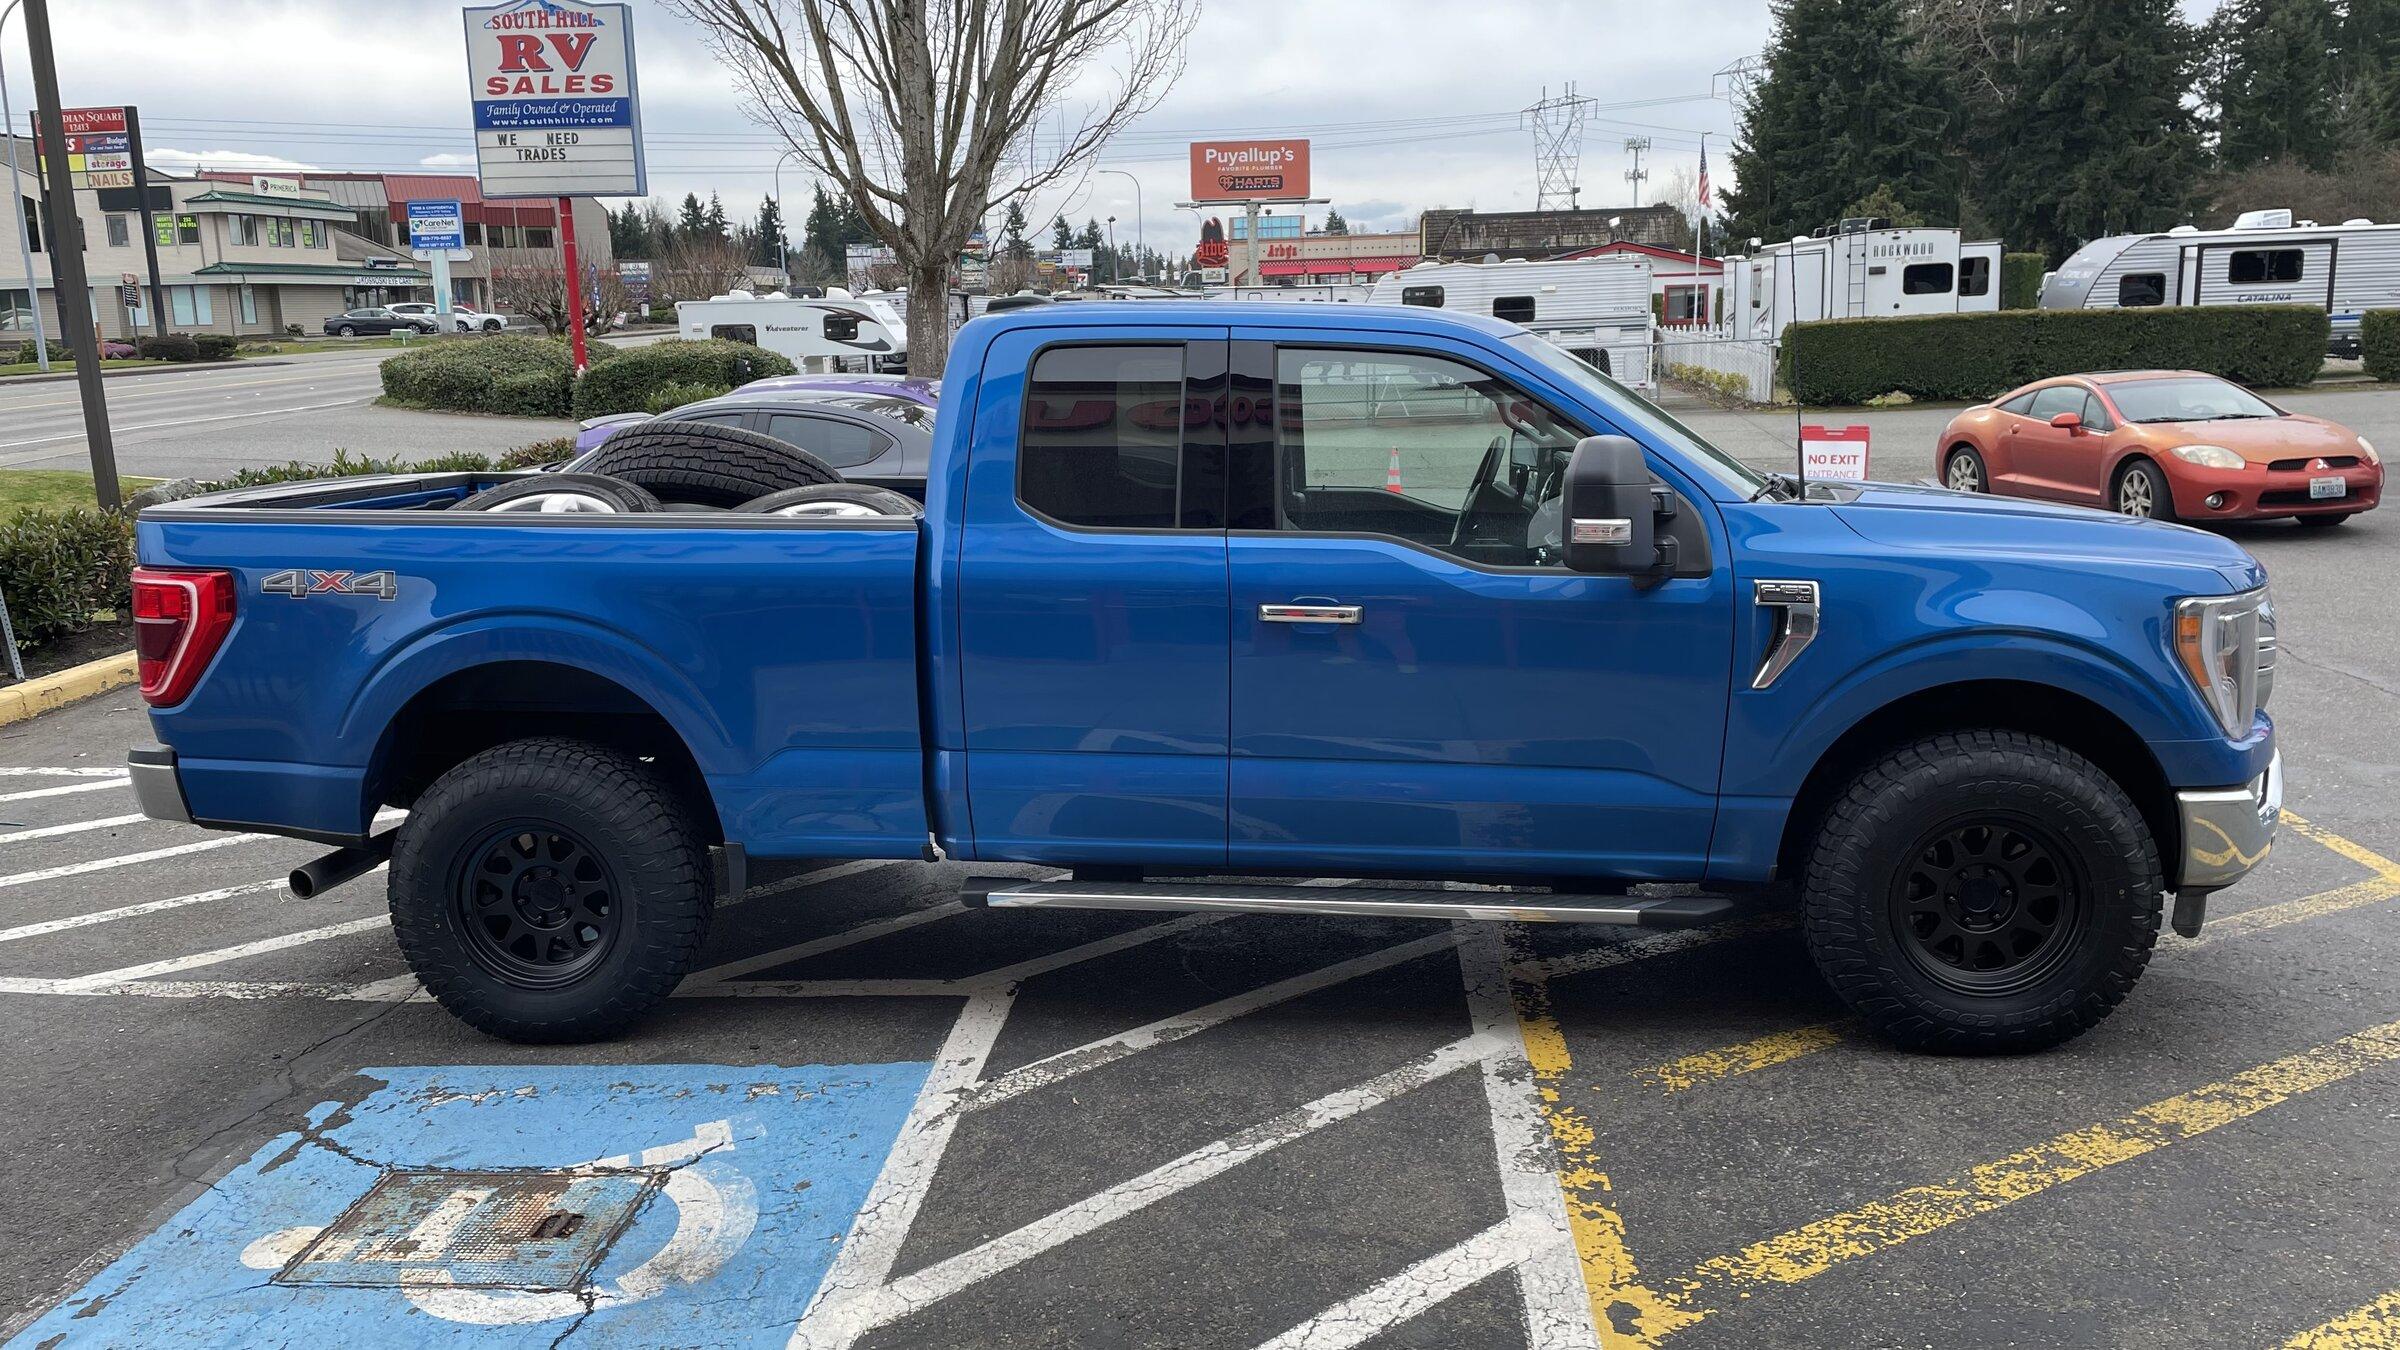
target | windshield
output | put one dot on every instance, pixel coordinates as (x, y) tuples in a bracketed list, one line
[(1631, 407), (2189, 398)]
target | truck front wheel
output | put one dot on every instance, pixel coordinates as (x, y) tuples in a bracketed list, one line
[(1982, 892), (549, 890)]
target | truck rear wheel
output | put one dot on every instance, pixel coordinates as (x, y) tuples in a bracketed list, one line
[(549, 890), (1982, 892), (702, 464)]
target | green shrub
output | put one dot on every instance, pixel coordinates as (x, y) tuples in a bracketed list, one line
[(26, 353), (217, 346), (2021, 280), (551, 451), (669, 397), (625, 381), (59, 567), (347, 465), (2379, 343), (172, 347), (517, 376), (1974, 356)]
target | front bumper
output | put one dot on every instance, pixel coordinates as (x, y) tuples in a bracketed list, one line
[(2256, 491), (157, 788), (2227, 831)]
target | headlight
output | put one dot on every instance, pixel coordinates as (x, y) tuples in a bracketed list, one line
[(2208, 456), (2217, 642), (2366, 450)]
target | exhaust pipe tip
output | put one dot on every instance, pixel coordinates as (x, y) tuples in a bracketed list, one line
[(312, 879)]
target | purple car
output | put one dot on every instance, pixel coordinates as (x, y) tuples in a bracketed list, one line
[(593, 430)]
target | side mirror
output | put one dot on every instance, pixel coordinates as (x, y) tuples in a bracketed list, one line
[(2071, 422), (1611, 509)]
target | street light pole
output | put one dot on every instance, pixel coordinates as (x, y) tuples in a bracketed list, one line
[(16, 195), (783, 259), (1112, 248), (1139, 244)]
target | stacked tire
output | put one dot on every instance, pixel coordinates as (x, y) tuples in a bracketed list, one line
[(644, 468)]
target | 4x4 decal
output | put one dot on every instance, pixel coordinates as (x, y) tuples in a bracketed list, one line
[(301, 583)]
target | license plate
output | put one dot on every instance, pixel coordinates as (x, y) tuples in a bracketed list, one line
[(2328, 487)]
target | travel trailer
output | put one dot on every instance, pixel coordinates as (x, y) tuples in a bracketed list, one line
[(1337, 293), (1863, 268), (2266, 258), (835, 333), (1597, 308)]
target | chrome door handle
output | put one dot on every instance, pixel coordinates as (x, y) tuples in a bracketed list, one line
[(1309, 613)]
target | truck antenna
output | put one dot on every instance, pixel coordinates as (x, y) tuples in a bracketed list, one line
[(1791, 255)]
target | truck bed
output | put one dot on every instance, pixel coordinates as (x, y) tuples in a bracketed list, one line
[(783, 652)]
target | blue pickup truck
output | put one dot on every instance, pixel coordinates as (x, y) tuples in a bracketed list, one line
[(1205, 599)]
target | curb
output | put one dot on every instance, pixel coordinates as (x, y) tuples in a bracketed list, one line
[(19, 702)]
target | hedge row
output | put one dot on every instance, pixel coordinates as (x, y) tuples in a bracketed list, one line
[(518, 376), (2379, 343), (626, 382), (1974, 356), (2021, 279), (347, 465)]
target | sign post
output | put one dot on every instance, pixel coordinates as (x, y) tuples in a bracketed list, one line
[(556, 114), (139, 179), (68, 279)]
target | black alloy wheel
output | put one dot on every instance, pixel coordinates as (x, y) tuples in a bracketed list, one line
[(1988, 905), (537, 903)]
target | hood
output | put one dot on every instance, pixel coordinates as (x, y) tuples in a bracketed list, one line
[(1940, 521), (2259, 440)]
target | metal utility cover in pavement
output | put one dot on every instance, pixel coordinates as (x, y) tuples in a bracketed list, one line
[(493, 1230)]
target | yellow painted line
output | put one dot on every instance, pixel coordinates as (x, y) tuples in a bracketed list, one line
[(2348, 848), (1814, 1248), (1731, 1061), (37, 696), (2373, 1327)]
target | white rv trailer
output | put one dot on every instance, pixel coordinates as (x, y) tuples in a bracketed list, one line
[(2266, 258), (837, 332), (1860, 269), (1333, 293), (1597, 308)]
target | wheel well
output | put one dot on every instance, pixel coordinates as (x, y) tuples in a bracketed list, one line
[(2013, 705), (2125, 466), (470, 711)]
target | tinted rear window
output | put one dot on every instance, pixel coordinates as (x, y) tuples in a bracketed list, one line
[(1103, 440)]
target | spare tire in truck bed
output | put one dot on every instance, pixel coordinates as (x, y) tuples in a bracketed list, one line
[(703, 464)]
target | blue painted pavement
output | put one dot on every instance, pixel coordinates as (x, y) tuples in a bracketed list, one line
[(687, 1205)]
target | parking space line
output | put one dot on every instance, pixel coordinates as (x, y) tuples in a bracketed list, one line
[(175, 964), (94, 785), (1027, 969), (2373, 1327), (19, 771), (801, 951), (1057, 1068), (1550, 1285), (1781, 1047), (1360, 1318), (1814, 1248), (73, 827), (47, 926), (834, 872), (127, 859)]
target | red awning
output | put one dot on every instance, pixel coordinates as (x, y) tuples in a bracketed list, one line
[(1303, 267)]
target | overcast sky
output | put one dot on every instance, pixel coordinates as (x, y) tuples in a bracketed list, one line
[(1409, 104)]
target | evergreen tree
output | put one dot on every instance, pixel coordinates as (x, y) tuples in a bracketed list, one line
[(2368, 74), (690, 221), (1091, 236), (1850, 102), (1882, 204), (1334, 224), (1013, 243), (770, 233), (2278, 100), (822, 239), (2099, 140), (1060, 235), (713, 220)]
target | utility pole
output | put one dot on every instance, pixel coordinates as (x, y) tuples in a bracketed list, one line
[(68, 281), (16, 193), (1636, 146), (1557, 126)]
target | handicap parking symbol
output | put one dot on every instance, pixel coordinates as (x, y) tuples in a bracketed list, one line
[(660, 1204)]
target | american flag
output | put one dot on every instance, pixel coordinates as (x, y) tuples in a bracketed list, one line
[(1705, 204)]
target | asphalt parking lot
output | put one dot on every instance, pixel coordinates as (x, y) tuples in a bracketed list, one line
[(886, 1121)]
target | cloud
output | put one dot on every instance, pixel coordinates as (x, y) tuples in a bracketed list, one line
[(450, 159), (172, 160)]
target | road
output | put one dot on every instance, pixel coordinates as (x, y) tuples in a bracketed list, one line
[(1051, 1129)]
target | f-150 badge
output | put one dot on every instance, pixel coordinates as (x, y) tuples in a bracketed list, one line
[(301, 583)]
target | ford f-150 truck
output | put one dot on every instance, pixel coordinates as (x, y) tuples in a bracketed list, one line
[(1207, 598)]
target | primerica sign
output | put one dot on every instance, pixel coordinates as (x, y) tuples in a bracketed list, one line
[(556, 112)]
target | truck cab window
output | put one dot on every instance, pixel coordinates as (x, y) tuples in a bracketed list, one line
[(2250, 265), (1418, 448), (1925, 279), (1103, 441), (2138, 290)]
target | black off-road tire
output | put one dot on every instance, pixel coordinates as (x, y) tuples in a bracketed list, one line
[(650, 856), (703, 464), (876, 501), (622, 497), (1892, 819)]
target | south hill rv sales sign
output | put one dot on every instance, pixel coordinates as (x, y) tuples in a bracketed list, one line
[(555, 109)]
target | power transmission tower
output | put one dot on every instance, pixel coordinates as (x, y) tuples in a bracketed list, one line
[(1734, 83), (1636, 146), (1557, 125)]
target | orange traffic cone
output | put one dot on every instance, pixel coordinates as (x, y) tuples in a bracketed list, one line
[(1391, 474)]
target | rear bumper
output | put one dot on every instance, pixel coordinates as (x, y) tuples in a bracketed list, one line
[(296, 804), (2227, 831), (157, 787)]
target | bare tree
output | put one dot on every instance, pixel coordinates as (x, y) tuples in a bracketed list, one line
[(913, 106), (538, 291), (697, 268)]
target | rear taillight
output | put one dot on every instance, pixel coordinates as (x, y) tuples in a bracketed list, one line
[(180, 618)]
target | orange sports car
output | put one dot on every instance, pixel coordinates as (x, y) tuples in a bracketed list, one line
[(2165, 444)]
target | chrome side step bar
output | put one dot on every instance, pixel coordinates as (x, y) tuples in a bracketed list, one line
[(1379, 902)]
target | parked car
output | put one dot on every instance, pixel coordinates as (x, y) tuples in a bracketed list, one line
[(377, 320), (2164, 444), (463, 319), (1239, 590), (869, 436)]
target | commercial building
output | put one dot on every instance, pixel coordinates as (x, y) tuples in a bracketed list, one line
[(1469, 236), (1270, 226), (1321, 259)]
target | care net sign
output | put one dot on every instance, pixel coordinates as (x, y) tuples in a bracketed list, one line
[(556, 113)]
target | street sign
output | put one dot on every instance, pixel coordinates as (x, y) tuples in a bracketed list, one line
[(552, 86), (129, 295), (99, 146), (437, 225), (1834, 454)]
